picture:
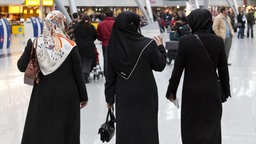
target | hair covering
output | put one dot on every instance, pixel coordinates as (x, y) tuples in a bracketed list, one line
[(85, 21), (53, 46), (126, 43), (200, 19)]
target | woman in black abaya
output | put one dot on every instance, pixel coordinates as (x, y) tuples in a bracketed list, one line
[(201, 109), (53, 115), (130, 81)]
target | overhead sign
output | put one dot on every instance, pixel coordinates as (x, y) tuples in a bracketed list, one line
[(15, 9), (37, 2), (33, 2), (11, 2), (48, 2)]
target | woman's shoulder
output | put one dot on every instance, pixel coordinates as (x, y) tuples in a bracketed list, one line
[(189, 39), (92, 26), (208, 35), (149, 41), (215, 38)]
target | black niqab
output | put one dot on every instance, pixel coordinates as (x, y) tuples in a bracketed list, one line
[(126, 43), (200, 19)]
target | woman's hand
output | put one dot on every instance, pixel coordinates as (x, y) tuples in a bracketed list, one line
[(158, 40), (109, 105), (83, 104), (172, 97)]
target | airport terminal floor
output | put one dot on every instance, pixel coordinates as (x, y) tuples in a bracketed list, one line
[(239, 112)]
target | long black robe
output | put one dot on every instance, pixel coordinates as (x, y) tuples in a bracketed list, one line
[(85, 38), (201, 109), (137, 98), (53, 115)]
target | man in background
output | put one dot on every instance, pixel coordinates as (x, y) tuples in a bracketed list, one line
[(250, 22), (223, 28), (104, 30)]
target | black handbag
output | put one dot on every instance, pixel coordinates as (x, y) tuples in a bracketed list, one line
[(107, 129), (223, 94)]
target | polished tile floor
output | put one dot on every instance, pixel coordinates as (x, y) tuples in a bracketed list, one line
[(239, 113)]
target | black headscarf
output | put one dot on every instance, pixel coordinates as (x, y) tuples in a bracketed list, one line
[(126, 43), (200, 19)]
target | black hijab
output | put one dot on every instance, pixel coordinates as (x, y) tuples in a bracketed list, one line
[(126, 43), (200, 19)]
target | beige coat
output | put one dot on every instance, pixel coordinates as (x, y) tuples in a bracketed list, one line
[(219, 26)]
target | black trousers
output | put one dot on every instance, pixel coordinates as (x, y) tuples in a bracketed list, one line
[(104, 50), (249, 27)]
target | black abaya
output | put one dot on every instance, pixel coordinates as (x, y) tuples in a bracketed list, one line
[(137, 98), (130, 82), (201, 109), (54, 110)]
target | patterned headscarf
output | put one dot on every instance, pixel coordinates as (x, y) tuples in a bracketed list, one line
[(50, 56), (53, 24)]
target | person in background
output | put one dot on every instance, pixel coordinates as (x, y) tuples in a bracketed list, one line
[(130, 82), (104, 30), (250, 22), (72, 26), (181, 17), (222, 27), (232, 17), (242, 21), (53, 115), (161, 23), (85, 35), (201, 108)]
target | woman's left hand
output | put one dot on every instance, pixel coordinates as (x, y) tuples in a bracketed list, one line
[(172, 97), (109, 105), (83, 104), (159, 40)]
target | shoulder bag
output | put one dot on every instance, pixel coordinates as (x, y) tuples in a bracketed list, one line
[(32, 70), (222, 92)]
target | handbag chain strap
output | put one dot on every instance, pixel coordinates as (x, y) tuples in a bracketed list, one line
[(33, 49)]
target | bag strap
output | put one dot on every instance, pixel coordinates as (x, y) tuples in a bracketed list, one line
[(111, 115), (206, 52), (33, 49)]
